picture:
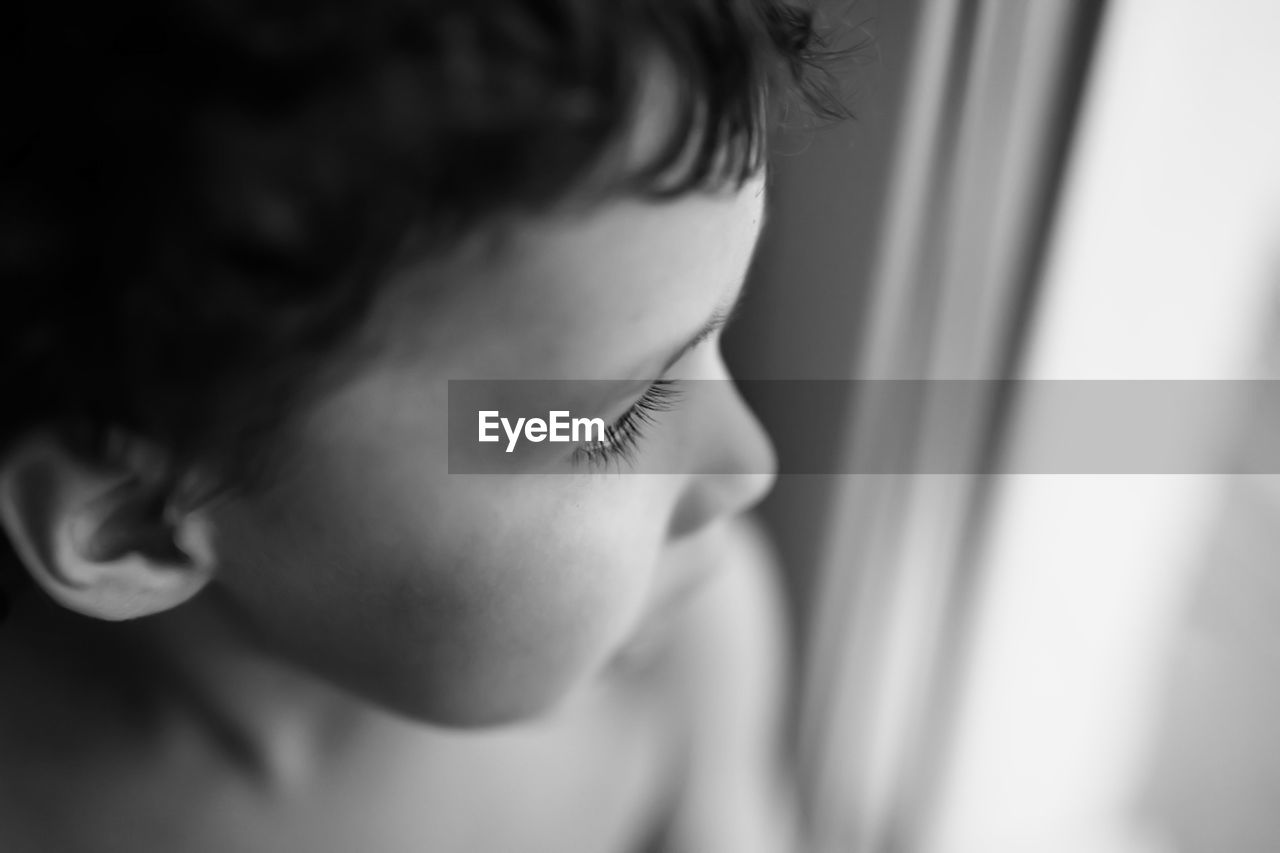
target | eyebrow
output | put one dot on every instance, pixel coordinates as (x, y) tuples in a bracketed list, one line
[(717, 321), (723, 315)]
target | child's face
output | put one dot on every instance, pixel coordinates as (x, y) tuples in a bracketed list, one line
[(477, 599)]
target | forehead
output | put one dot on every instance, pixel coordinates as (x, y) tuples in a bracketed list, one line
[(589, 294)]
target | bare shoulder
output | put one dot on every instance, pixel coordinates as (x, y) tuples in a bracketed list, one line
[(731, 659)]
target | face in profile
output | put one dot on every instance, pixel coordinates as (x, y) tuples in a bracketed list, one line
[(478, 599)]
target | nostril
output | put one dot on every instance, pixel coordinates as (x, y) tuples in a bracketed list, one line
[(746, 490), (715, 496)]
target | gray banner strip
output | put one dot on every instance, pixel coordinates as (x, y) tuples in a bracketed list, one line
[(1077, 427)]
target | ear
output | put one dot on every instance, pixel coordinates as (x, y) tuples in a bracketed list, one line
[(101, 539)]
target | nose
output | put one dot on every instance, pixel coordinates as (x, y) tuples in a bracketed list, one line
[(736, 465)]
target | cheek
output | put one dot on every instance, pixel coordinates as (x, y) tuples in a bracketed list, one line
[(549, 575), (536, 605), (466, 602)]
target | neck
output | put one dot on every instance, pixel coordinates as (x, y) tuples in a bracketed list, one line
[(193, 669)]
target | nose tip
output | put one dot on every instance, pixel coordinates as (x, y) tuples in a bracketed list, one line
[(756, 471), (741, 468)]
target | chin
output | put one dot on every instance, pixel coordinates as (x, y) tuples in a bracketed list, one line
[(484, 708)]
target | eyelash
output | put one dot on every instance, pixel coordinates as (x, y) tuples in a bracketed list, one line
[(622, 437)]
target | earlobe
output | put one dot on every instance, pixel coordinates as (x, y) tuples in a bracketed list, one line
[(101, 540)]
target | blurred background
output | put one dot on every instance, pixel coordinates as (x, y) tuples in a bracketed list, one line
[(1041, 190)]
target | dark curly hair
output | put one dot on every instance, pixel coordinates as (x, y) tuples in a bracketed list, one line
[(199, 196)]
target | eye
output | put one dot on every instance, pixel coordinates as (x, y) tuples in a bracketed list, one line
[(623, 436)]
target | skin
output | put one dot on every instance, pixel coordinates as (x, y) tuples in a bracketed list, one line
[(621, 629), (486, 599)]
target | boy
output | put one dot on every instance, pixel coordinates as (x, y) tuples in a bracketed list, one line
[(246, 247)]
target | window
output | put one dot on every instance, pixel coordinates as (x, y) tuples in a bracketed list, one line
[(1072, 190)]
